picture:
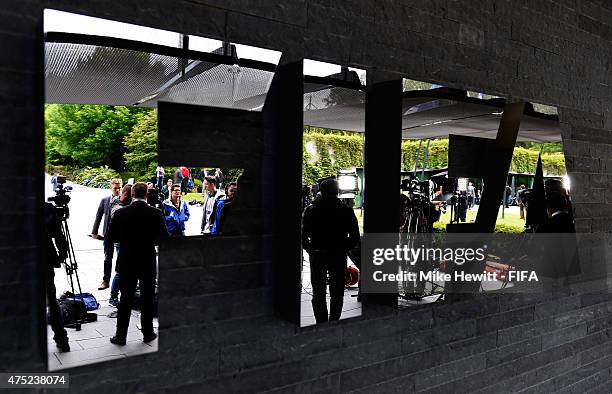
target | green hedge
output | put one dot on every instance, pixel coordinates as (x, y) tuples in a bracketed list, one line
[(499, 228), (333, 152), (67, 171), (96, 177), (336, 151)]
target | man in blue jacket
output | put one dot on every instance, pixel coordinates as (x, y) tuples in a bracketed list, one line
[(176, 212)]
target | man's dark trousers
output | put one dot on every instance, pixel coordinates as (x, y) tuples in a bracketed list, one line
[(322, 263), (55, 314), (128, 286), (108, 259)]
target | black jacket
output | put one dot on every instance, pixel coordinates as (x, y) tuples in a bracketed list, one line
[(560, 223), (103, 210), (329, 225), (137, 228), (56, 252)]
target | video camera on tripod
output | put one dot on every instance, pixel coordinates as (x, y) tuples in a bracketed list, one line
[(61, 198), (417, 214), (77, 304)]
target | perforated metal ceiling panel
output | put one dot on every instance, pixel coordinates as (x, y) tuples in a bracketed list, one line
[(90, 74), (85, 74), (223, 85)]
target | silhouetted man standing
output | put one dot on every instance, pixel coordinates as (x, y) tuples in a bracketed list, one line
[(137, 228), (559, 219), (329, 231), (56, 253)]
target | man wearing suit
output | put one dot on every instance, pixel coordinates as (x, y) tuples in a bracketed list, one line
[(104, 210), (559, 219), (137, 228)]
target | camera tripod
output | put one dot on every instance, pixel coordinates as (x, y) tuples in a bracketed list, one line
[(71, 266)]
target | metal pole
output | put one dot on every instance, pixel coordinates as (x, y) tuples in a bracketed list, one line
[(425, 160), (183, 61), (416, 159), (504, 200)]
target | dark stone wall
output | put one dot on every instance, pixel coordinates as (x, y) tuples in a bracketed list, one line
[(222, 336)]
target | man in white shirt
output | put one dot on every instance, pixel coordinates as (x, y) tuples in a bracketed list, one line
[(211, 196), (159, 176), (471, 195)]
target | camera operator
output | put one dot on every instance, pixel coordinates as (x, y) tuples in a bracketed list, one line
[(56, 253), (559, 219), (329, 231), (556, 185)]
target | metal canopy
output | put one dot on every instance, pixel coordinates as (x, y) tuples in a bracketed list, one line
[(82, 69), (82, 73), (435, 113)]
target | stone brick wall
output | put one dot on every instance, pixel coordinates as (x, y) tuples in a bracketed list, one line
[(227, 340)]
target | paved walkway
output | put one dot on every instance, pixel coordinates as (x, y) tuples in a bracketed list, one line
[(91, 344), (350, 308)]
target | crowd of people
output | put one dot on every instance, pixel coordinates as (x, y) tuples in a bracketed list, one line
[(185, 177), (134, 219)]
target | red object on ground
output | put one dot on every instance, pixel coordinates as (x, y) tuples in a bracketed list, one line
[(499, 270), (352, 275)]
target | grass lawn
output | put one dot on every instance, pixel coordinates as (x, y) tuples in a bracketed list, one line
[(359, 216), (193, 197), (511, 218)]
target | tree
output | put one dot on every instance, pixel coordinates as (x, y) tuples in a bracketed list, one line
[(88, 135), (141, 145), (410, 84)]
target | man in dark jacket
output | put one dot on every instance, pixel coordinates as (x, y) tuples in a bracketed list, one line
[(104, 210), (56, 253), (559, 219), (329, 231), (137, 228), (559, 257)]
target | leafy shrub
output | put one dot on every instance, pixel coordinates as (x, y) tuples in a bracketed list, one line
[(67, 171), (499, 228), (229, 174), (340, 150), (508, 229), (141, 146), (98, 177), (197, 183)]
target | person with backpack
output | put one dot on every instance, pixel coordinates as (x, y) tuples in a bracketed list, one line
[(185, 180)]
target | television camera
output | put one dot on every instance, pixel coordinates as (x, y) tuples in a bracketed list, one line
[(60, 202), (417, 212)]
